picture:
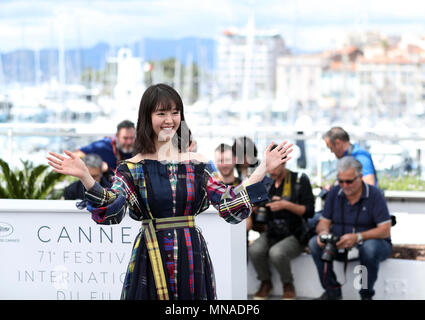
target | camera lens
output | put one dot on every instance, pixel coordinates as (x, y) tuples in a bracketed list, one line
[(261, 215), (330, 249)]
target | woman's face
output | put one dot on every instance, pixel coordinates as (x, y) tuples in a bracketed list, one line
[(165, 122)]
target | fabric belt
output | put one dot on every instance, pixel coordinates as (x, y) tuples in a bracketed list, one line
[(149, 227)]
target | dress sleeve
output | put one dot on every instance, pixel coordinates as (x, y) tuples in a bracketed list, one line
[(233, 203), (108, 205)]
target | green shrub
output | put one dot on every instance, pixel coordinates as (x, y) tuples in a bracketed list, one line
[(402, 183), (32, 182), (393, 183)]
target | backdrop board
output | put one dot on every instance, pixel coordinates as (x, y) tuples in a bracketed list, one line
[(51, 250)]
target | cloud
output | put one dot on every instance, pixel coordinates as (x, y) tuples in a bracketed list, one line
[(88, 22), (38, 23)]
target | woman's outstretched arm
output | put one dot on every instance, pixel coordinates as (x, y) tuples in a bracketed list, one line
[(271, 159), (235, 203), (71, 166)]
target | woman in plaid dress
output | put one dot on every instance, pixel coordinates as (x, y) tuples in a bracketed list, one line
[(165, 187)]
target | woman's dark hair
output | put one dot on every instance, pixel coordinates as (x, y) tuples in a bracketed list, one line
[(165, 97)]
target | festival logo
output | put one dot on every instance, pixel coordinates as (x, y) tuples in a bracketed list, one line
[(5, 229)]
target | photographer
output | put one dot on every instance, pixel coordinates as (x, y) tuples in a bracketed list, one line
[(355, 215), (338, 142), (225, 161), (292, 201)]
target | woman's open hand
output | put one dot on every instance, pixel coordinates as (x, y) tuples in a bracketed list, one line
[(278, 155), (271, 160), (71, 165)]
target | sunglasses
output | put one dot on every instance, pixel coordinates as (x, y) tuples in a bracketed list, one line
[(340, 181)]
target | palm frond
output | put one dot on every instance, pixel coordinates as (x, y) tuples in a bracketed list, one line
[(21, 187), (48, 184), (32, 182), (5, 169), (35, 175), (3, 193), (12, 184), (28, 165)]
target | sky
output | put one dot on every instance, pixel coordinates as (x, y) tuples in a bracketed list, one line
[(309, 25)]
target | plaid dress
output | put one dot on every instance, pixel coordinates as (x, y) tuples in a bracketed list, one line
[(154, 191)]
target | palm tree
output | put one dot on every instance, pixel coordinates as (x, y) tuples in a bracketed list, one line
[(32, 182)]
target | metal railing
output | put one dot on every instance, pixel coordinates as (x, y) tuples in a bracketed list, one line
[(18, 141)]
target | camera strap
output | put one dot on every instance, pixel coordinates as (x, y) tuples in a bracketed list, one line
[(359, 209), (353, 230), (287, 188), (115, 150)]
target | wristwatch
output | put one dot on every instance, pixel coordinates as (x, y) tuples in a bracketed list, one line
[(359, 238)]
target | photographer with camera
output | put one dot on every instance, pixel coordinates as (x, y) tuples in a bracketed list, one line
[(355, 215), (292, 201)]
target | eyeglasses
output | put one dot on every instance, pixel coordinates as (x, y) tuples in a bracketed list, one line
[(340, 181)]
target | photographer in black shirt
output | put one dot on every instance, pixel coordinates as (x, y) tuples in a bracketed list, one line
[(292, 202)]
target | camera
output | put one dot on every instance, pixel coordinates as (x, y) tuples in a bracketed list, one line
[(330, 249), (264, 214), (261, 216)]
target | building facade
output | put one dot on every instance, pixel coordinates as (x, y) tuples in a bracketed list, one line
[(247, 62)]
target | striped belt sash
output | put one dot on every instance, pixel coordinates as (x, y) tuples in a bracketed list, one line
[(150, 226)]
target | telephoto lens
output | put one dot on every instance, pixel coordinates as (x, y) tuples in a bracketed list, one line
[(330, 249)]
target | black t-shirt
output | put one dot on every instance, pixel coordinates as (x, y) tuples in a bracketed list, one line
[(304, 196), (76, 190)]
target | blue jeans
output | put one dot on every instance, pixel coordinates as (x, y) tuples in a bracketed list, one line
[(371, 253)]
